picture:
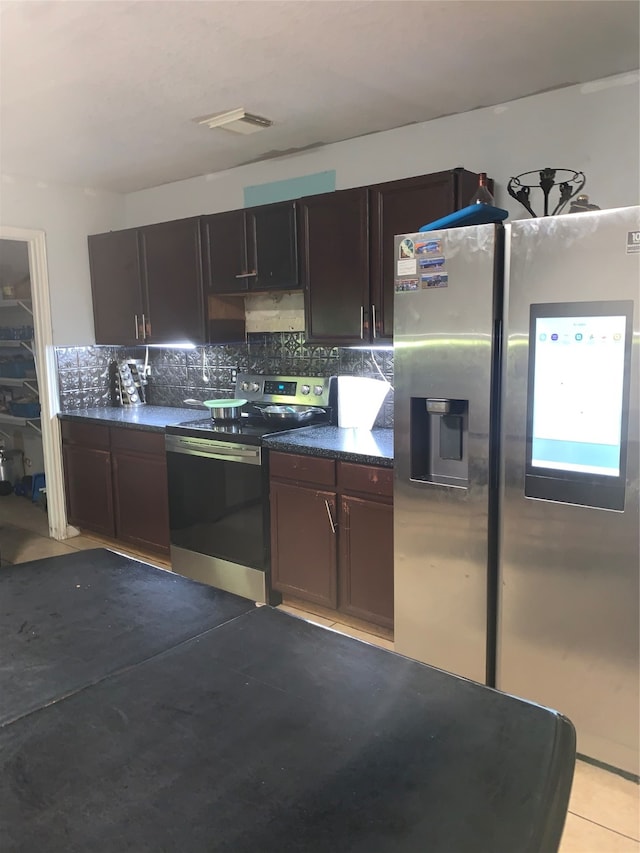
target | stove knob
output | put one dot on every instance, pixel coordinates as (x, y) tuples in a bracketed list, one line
[(253, 386), (317, 390), (305, 389)]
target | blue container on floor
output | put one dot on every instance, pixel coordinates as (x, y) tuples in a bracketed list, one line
[(38, 483)]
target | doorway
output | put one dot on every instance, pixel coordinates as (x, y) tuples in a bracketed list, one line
[(36, 338)]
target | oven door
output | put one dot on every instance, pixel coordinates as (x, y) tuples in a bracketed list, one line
[(218, 514)]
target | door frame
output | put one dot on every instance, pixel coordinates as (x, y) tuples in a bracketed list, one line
[(47, 373)]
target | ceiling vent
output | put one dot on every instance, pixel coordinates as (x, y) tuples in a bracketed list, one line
[(237, 121)]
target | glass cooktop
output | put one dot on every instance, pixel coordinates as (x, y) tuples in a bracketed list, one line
[(246, 430)]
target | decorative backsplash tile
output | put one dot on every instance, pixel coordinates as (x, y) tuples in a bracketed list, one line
[(179, 374)]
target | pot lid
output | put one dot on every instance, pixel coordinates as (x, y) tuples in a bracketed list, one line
[(223, 404)]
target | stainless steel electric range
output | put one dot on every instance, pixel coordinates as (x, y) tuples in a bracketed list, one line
[(219, 488)]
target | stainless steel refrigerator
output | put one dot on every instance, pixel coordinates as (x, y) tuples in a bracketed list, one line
[(517, 465)]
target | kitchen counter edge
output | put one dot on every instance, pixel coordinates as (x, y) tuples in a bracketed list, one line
[(370, 447), (149, 418)]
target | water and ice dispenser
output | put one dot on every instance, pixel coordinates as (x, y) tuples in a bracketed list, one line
[(439, 440)]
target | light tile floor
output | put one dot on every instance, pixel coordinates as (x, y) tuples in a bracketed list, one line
[(24, 536), (604, 810)]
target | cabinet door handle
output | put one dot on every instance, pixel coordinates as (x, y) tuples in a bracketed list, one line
[(146, 327), (333, 527), (246, 274), (137, 327), (362, 322), (373, 320)]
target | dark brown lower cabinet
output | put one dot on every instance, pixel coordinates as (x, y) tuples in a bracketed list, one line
[(303, 544), (140, 488), (87, 476), (332, 534), (116, 483), (89, 488), (366, 559)]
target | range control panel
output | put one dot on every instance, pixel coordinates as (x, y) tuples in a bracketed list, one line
[(298, 390), (288, 389)]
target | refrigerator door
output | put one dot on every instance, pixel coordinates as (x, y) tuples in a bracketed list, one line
[(446, 303), (569, 559)]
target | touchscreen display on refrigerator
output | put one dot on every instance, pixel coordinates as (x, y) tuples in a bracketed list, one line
[(578, 393)]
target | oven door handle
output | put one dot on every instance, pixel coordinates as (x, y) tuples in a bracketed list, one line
[(209, 450)]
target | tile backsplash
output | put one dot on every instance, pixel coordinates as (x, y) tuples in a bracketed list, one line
[(210, 371)]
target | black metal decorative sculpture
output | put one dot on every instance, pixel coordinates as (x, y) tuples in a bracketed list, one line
[(569, 185)]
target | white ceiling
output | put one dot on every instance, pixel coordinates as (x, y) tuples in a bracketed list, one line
[(102, 93)]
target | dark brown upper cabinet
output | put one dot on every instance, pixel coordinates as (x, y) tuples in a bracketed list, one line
[(147, 284), (227, 258), (348, 251), (252, 250), (274, 228), (335, 266), (172, 275), (116, 285), (175, 281), (403, 207)]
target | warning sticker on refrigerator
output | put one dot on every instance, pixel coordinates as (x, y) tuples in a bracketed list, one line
[(407, 284), (633, 242)]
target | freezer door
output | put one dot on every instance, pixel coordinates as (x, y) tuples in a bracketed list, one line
[(568, 607), (447, 302)]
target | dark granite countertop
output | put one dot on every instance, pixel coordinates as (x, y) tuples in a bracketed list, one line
[(151, 418), (372, 447)]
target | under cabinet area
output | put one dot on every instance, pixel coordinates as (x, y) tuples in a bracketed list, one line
[(332, 534), (116, 483)]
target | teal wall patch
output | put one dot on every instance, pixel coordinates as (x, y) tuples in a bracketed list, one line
[(320, 182)]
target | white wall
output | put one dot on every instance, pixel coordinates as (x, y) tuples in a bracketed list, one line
[(66, 215), (594, 128)]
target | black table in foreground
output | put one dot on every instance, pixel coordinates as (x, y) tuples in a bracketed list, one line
[(66, 622), (268, 734)]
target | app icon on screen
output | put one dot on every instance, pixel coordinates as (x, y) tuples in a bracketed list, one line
[(554, 337), (543, 337), (578, 336)]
